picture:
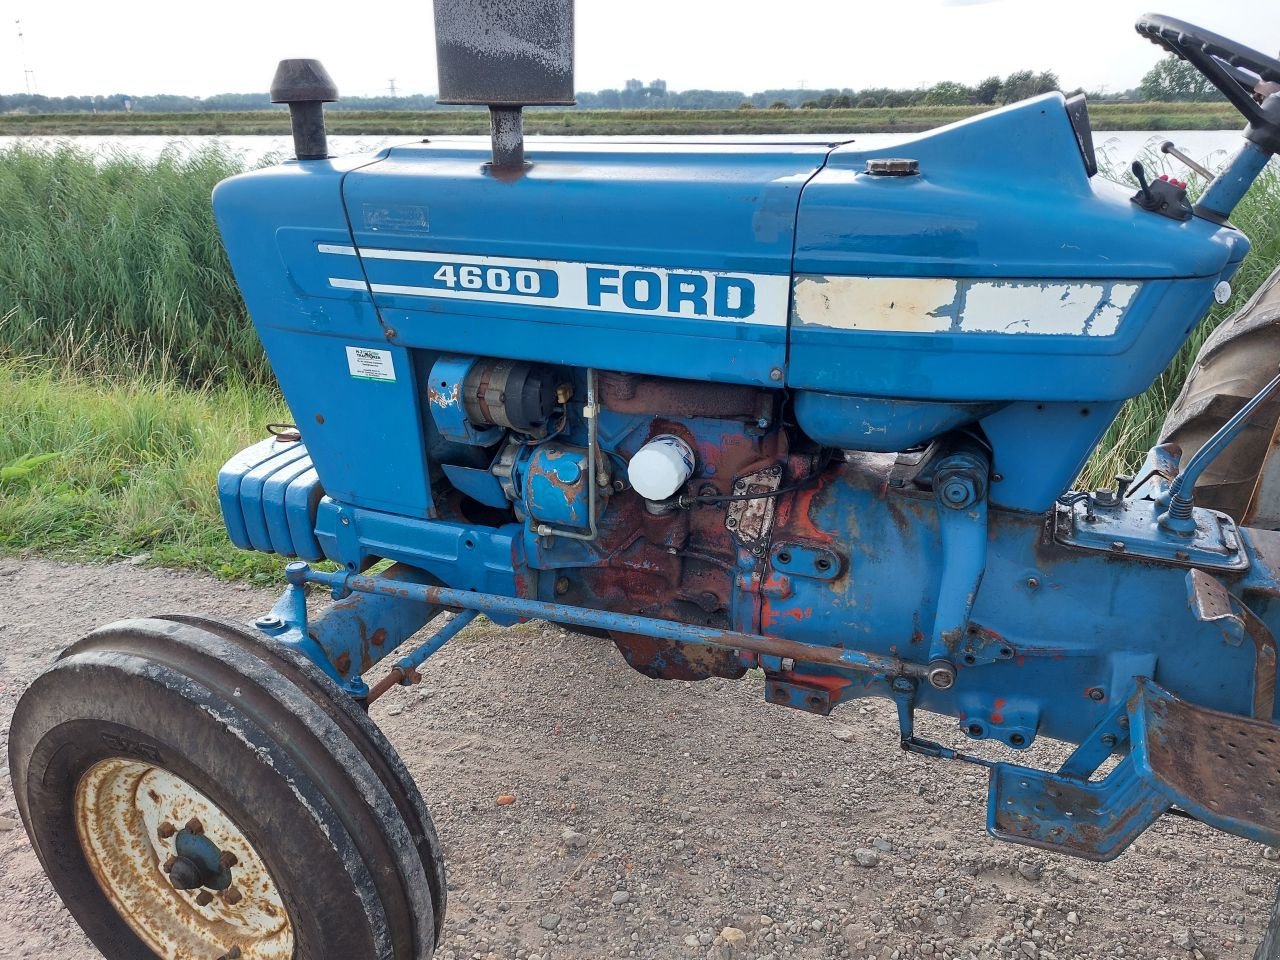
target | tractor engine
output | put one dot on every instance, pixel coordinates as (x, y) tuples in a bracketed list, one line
[(666, 519)]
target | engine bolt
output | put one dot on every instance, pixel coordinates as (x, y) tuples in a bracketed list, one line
[(228, 859), (1108, 739), (775, 374), (942, 675), (194, 826), (166, 830), (231, 896), (1033, 583), (204, 898), (562, 586), (1097, 693)]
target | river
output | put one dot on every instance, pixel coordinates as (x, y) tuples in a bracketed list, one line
[(1115, 148)]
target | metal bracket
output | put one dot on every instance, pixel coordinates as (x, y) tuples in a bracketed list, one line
[(960, 487), (1129, 528), (1216, 767), (751, 521), (1211, 603)]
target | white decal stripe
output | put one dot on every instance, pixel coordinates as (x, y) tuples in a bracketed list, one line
[(771, 292), (1089, 308)]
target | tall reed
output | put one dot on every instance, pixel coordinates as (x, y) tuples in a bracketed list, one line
[(113, 264)]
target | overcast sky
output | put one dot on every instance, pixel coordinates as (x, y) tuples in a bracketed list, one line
[(184, 47)]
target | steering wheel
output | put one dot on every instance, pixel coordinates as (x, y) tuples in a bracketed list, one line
[(1233, 68)]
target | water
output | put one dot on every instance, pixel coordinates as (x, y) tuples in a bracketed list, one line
[(1115, 148)]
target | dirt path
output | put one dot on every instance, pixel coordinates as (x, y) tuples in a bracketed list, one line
[(650, 816)]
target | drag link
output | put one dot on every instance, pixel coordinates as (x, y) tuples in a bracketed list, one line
[(343, 584)]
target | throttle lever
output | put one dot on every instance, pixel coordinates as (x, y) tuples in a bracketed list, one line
[(1164, 196)]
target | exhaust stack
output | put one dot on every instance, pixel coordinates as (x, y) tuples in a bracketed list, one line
[(505, 55), (305, 85)]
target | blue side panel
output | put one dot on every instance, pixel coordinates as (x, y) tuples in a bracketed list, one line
[(359, 412), (610, 255)]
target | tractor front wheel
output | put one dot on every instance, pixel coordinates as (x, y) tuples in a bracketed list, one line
[(193, 791)]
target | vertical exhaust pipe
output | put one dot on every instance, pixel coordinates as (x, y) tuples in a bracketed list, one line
[(505, 55), (305, 85)]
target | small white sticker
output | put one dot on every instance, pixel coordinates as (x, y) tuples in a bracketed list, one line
[(366, 363)]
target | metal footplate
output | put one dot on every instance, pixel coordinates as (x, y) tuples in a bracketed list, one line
[(1219, 768)]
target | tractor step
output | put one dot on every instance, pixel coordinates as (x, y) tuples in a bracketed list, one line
[(1219, 768)]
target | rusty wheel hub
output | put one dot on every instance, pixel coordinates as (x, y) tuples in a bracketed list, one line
[(196, 890)]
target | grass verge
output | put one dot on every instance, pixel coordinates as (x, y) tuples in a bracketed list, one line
[(109, 468)]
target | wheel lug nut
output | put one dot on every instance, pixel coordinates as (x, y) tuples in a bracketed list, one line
[(166, 830), (204, 899), (168, 864), (194, 826), (231, 896), (227, 859)]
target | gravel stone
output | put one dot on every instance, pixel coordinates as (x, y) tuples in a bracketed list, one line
[(866, 857)]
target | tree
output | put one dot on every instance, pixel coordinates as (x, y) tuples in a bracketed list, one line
[(1173, 79), (948, 93), (1023, 84), (987, 90)]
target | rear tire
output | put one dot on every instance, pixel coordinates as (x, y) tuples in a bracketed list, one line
[(1237, 360), (150, 720)]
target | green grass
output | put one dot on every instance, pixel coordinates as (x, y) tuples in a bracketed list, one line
[(1137, 428), (117, 266), (1106, 116), (101, 468)]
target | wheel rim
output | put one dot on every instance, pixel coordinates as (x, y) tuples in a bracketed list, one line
[(176, 867)]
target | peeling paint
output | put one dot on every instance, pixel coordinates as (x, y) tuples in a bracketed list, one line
[(939, 305)]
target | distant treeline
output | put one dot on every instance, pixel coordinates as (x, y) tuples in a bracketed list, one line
[(1169, 80)]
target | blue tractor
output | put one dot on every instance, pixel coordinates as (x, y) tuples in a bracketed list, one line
[(799, 407)]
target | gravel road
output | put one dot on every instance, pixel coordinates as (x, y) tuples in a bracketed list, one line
[(676, 820)]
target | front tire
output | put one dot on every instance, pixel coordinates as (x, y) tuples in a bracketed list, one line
[(193, 792)]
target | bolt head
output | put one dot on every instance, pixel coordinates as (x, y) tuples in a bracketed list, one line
[(185, 874), (231, 896), (775, 374), (942, 675), (1109, 740), (1097, 693), (228, 859), (194, 826)]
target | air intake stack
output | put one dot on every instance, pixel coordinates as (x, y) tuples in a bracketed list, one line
[(506, 55)]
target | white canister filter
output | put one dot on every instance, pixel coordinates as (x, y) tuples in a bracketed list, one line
[(661, 467)]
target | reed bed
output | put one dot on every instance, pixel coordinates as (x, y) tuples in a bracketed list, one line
[(113, 265)]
